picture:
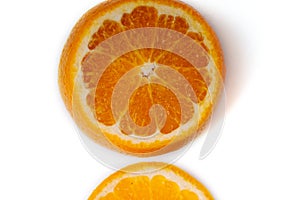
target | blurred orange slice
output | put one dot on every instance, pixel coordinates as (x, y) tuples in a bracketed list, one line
[(141, 77), (144, 181)]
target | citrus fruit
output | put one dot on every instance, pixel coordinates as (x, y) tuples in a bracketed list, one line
[(144, 181), (141, 76)]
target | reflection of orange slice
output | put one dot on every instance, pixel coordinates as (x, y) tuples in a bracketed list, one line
[(141, 76), (144, 181)]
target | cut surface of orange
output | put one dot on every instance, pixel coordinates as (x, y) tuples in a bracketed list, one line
[(141, 76), (148, 181)]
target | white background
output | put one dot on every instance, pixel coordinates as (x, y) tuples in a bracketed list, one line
[(258, 155)]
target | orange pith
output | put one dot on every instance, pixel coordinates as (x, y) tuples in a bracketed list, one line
[(167, 183), (161, 87)]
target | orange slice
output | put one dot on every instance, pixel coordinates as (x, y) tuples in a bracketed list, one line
[(141, 77), (144, 181)]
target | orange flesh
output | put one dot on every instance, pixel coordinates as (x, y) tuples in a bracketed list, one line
[(150, 95), (142, 187), (101, 89)]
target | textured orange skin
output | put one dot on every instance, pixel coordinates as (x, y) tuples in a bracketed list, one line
[(136, 167), (67, 71)]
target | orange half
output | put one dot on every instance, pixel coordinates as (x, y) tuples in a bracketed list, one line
[(144, 181), (141, 77)]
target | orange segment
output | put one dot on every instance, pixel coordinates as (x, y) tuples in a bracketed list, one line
[(187, 195), (108, 29), (148, 95), (146, 181), (133, 188), (187, 70), (141, 16), (163, 188), (164, 106), (105, 88)]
